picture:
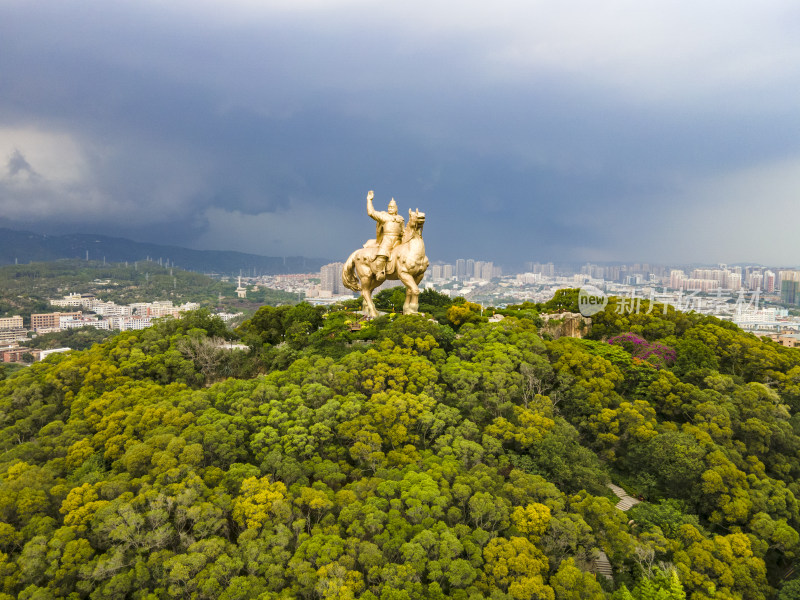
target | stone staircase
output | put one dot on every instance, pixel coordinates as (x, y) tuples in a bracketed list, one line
[(625, 501), (602, 566)]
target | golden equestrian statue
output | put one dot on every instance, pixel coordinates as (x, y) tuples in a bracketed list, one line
[(396, 253)]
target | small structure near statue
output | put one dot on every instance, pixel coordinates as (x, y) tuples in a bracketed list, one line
[(396, 253)]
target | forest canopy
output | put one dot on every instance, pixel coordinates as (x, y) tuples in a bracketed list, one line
[(403, 458)]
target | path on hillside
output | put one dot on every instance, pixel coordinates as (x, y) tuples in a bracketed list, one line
[(602, 566), (625, 501)]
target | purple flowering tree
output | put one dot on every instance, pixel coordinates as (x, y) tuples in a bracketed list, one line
[(653, 353)]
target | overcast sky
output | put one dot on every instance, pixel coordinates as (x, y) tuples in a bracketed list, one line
[(574, 130)]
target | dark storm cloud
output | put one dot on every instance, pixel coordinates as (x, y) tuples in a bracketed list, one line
[(526, 131)]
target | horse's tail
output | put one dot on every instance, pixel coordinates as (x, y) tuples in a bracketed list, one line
[(349, 278)]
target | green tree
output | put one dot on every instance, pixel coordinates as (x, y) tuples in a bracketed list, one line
[(570, 583), (391, 299), (564, 300), (790, 590)]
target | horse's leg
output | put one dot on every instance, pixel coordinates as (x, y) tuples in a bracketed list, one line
[(367, 285), (415, 299), (364, 276), (369, 308), (412, 293)]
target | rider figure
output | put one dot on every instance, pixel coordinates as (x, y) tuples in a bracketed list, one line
[(388, 232)]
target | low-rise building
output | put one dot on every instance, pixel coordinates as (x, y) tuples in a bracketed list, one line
[(51, 320), (15, 355), (110, 309), (45, 353), (13, 335), (129, 323), (70, 300), (76, 322), (7, 346), (228, 316), (161, 308), (789, 340), (14, 322), (75, 301)]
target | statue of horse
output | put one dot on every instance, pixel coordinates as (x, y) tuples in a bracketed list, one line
[(407, 264)]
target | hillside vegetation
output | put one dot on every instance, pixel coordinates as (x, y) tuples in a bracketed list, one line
[(407, 459)]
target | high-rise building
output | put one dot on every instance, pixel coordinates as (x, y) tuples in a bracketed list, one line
[(461, 268), (447, 271), (331, 278), (733, 281), (790, 292), (769, 281), (546, 269), (487, 271), (789, 276), (594, 271), (676, 279)]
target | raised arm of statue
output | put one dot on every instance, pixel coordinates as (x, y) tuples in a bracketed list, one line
[(371, 209)]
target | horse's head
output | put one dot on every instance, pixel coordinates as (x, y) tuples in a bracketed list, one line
[(416, 219), (413, 229)]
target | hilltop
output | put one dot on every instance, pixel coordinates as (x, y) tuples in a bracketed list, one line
[(405, 458)]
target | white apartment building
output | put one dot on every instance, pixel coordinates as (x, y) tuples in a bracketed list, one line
[(160, 308), (45, 353), (755, 316), (529, 278), (73, 300), (110, 309), (130, 322), (75, 322)]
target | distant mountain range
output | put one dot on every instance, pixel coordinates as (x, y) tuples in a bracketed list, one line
[(26, 246)]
